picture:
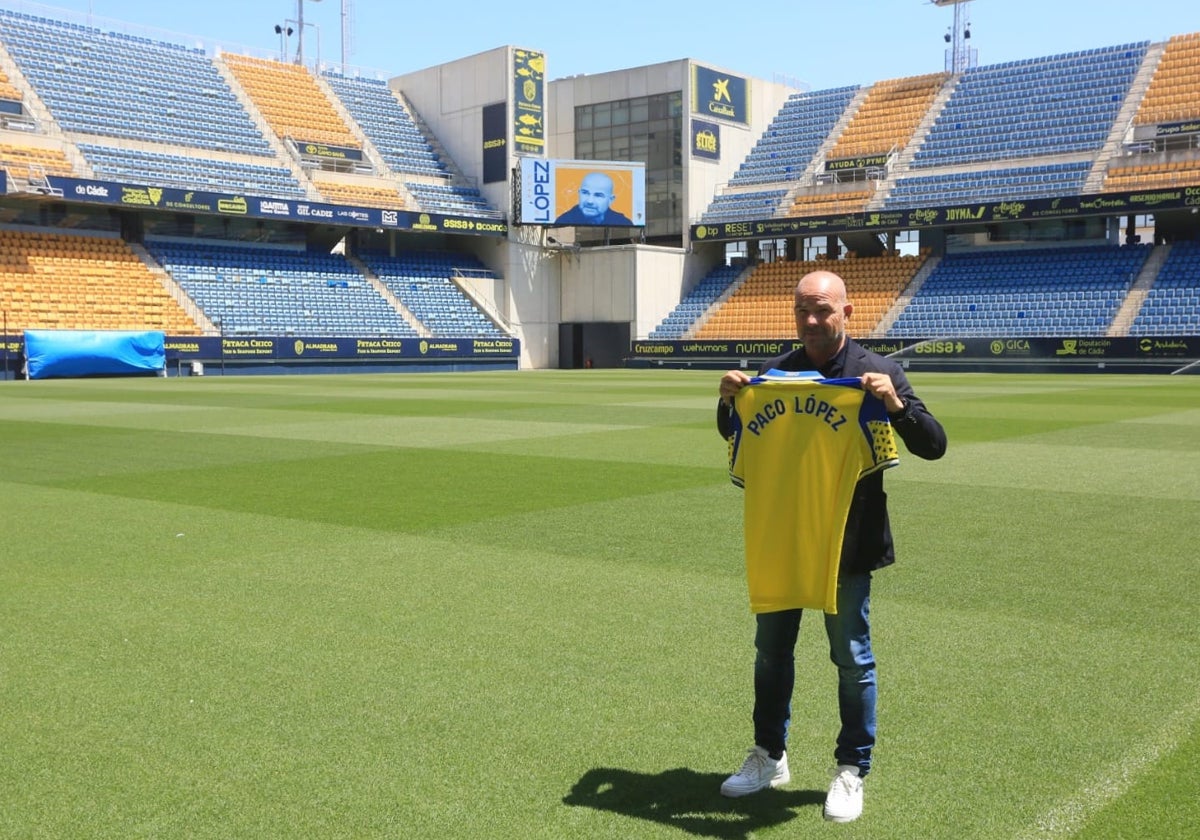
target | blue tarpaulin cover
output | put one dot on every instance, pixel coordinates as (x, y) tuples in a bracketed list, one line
[(51, 353)]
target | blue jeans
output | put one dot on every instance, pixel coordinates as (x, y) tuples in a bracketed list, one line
[(849, 634)]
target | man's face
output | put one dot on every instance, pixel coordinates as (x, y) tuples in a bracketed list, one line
[(595, 194), (820, 318)]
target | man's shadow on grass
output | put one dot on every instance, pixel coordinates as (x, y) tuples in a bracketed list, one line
[(688, 800)]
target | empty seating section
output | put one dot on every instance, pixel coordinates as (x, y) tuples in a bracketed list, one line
[(30, 160), (1053, 291), (69, 282), (388, 125), (888, 117), (423, 282), (762, 306), (116, 85), (695, 303), (8, 91), (1045, 106), (359, 195), (1020, 182), (1138, 176), (251, 290), (787, 147), (1174, 92), (823, 202), (291, 101), (190, 173), (451, 198), (1172, 304), (729, 207)]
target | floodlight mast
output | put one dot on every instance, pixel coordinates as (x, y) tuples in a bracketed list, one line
[(300, 31), (959, 56)]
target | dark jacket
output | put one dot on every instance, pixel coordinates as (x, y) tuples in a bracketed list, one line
[(867, 544), (576, 216)]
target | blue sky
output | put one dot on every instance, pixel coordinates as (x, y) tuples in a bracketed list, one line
[(816, 43)]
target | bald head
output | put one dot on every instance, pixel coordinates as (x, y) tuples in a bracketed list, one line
[(821, 311), (822, 283)]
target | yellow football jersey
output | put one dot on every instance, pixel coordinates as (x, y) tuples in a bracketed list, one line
[(798, 446)]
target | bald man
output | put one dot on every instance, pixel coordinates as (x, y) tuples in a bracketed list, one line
[(596, 193), (822, 310)]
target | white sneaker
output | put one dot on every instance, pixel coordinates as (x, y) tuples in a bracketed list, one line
[(844, 802), (758, 771)]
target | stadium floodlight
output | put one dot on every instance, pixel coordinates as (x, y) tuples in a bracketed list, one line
[(284, 32), (959, 56)]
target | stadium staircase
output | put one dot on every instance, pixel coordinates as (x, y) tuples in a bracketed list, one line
[(900, 163), (43, 122), (456, 174), (174, 290), (1124, 121), (905, 297), (808, 178), (40, 122), (1132, 304), (368, 148), (381, 287), (738, 282)]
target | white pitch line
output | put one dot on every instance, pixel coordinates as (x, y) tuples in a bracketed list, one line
[(1071, 816)]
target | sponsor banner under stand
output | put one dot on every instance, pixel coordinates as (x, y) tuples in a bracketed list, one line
[(976, 213), (222, 204)]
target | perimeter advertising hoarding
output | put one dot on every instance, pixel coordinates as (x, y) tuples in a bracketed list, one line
[(314, 348), (915, 218), (585, 193), (224, 204), (1077, 347), (529, 101)]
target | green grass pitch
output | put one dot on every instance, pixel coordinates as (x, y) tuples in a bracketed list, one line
[(512, 605)]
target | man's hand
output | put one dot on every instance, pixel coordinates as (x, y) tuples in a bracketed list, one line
[(732, 382), (880, 385)]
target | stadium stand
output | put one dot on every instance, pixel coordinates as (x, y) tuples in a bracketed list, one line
[(289, 98), (25, 161), (731, 206), (142, 111), (424, 283), (71, 282), (1044, 106), (137, 166), (451, 198), (761, 306), (1020, 182), (1172, 304), (1074, 290), (696, 302), (258, 290), (388, 125), (1174, 92), (9, 93), (787, 147), (829, 201), (359, 195), (888, 116), (1140, 176), (115, 85)]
